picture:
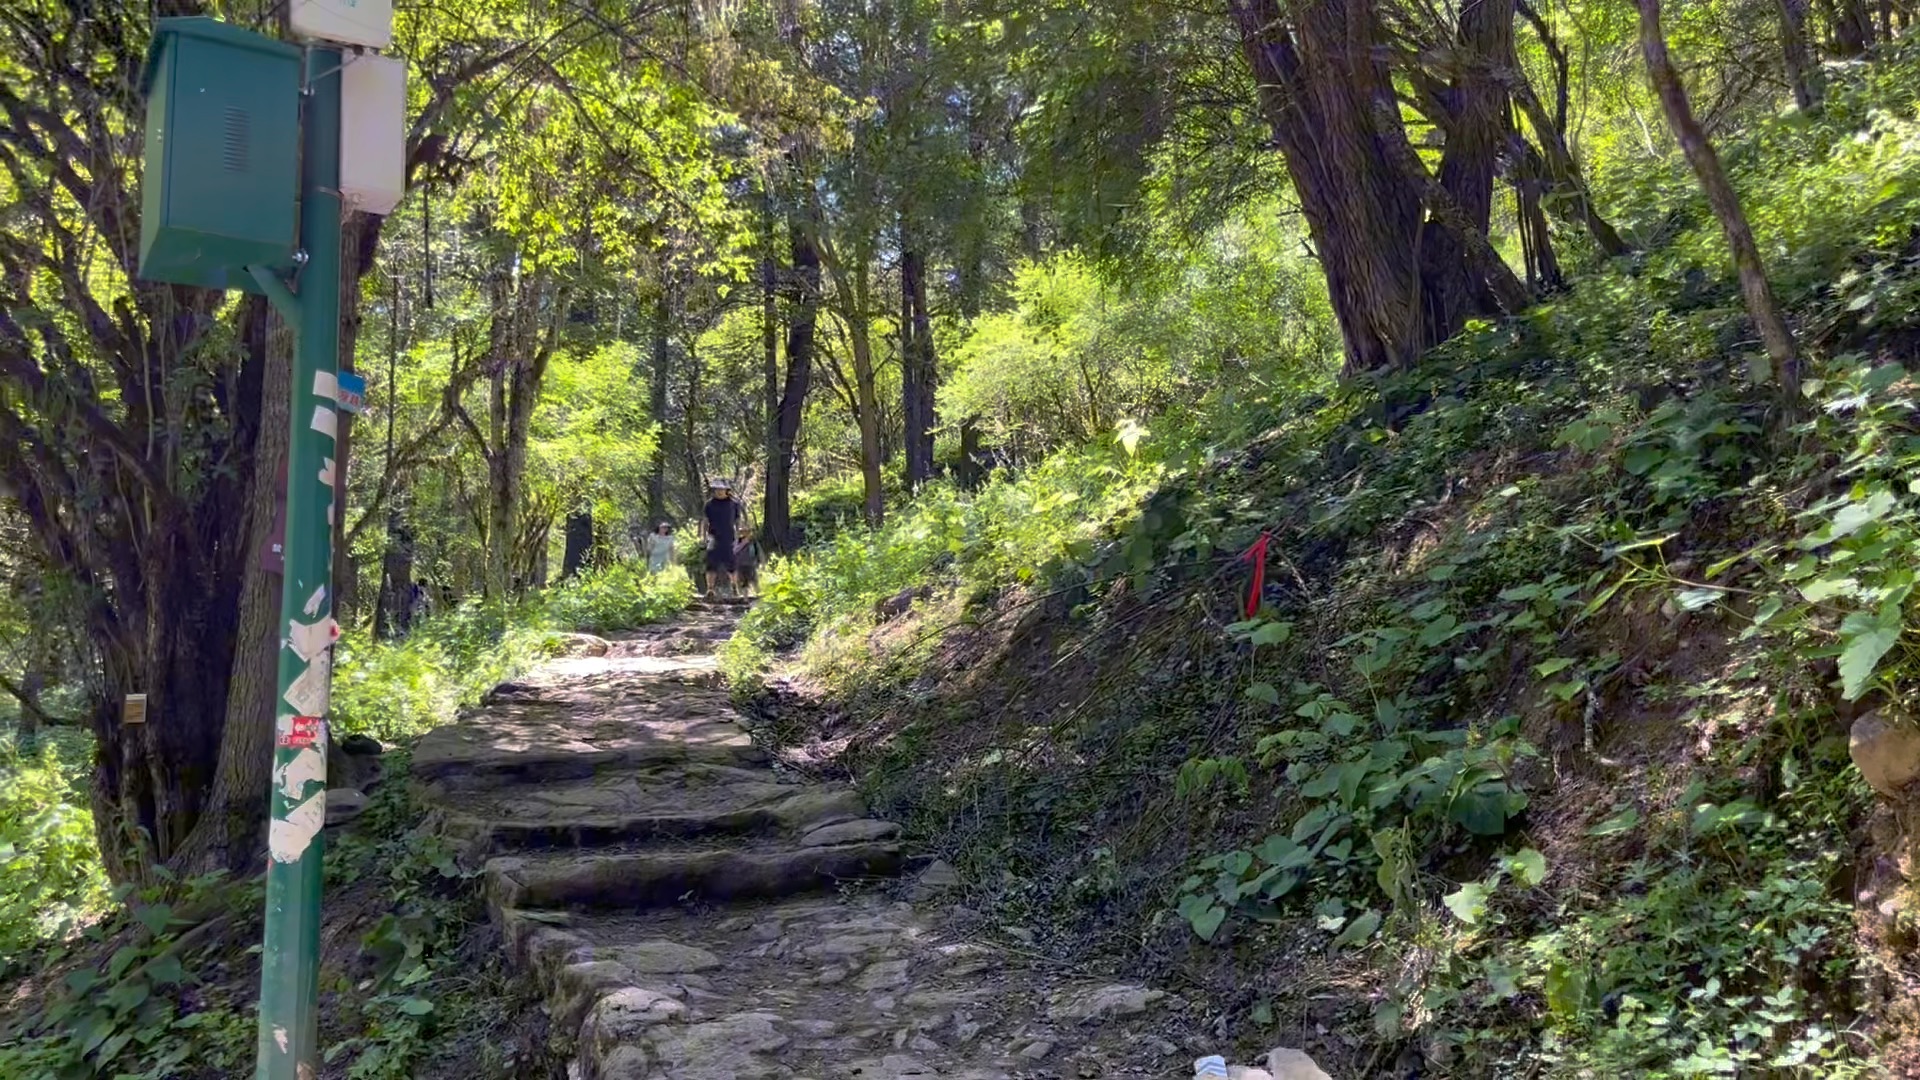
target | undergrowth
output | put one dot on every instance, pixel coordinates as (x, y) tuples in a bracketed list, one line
[(1538, 732), (163, 987), (148, 987), (401, 688)]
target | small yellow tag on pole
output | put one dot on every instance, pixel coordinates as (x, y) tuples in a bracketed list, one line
[(134, 709)]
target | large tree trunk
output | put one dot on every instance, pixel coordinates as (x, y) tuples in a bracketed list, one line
[(804, 309), (520, 354), (1754, 286), (1326, 94), (919, 376), (230, 832), (1802, 74)]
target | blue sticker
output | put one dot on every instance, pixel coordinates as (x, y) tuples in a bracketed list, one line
[(351, 393)]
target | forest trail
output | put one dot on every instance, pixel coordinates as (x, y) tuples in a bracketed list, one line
[(690, 913)]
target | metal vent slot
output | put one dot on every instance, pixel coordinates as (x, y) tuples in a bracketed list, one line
[(234, 152)]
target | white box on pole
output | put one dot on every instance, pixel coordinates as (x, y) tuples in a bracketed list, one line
[(373, 136), (349, 22)]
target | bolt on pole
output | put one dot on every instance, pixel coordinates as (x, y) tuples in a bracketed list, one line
[(290, 961)]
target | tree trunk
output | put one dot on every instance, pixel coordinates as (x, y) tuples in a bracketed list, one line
[(1319, 81), (229, 834), (393, 617), (917, 369), (1852, 27), (579, 543), (1802, 74), (804, 306), (851, 284), (662, 362), (1536, 237), (1570, 198), (769, 341), (1754, 286), (869, 401)]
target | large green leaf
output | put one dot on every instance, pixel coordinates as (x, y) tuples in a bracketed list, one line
[(1469, 902), (1865, 639)]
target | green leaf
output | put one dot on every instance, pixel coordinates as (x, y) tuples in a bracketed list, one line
[(416, 1006), (155, 918), (1566, 989), (1203, 915), (1279, 851), (1444, 628), (1695, 599), (1263, 692), (123, 959), (1548, 667), (167, 971), (1468, 903), (1624, 821), (1359, 930), (1866, 638), (1858, 515), (1271, 633), (1528, 867), (1481, 812), (1826, 588)]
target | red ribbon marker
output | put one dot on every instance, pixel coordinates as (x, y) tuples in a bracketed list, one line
[(1258, 555)]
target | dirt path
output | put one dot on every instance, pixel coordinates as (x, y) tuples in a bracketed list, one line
[(689, 914)]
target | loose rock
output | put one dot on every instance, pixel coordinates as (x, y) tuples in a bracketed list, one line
[(664, 958), (1117, 1000), (1886, 752), (1286, 1063), (343, 805), (1037, 1050)]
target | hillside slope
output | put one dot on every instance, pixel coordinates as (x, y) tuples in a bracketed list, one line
[(1534, 759)]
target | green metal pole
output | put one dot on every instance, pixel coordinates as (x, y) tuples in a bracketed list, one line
[(290, 962)]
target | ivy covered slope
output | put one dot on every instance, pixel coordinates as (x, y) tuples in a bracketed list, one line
[(1534, 759)]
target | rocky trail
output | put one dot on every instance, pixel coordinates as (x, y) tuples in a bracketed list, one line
[(690, 913)]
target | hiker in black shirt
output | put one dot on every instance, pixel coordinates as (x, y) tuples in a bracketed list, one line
[(719, 524)]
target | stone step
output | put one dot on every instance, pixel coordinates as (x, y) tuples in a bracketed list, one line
[(817, 987), (660, 877), (730, 604), (853, 986), (549, 742), (667, 801)]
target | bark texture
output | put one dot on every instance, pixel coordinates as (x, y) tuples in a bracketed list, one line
[(1754, 286)]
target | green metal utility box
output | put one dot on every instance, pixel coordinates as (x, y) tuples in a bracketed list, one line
[(221, 173)]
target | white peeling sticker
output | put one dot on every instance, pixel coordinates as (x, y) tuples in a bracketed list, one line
[(313, 602), (326, 386), (303, 768), (325, 422), (280, 1038), (308, 694), (326, 471), (310, 639), (289, 838)]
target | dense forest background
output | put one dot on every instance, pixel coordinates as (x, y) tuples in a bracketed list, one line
[(976, 298)]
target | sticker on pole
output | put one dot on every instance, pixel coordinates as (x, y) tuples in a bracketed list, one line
[(300, 732), (351, 391), (290, 837), (293, 775), (308, 694), (310, 639)]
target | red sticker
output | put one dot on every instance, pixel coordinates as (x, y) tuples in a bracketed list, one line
[(303, 732)]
